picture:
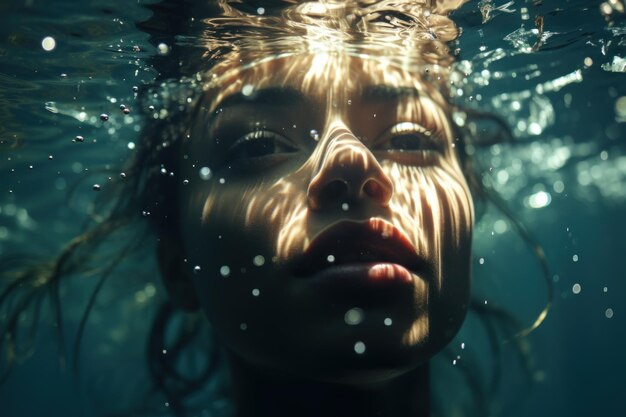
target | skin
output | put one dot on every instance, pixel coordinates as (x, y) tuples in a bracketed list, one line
[(350, 139)]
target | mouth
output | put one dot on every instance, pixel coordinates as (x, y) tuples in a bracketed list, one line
[(371, 251)]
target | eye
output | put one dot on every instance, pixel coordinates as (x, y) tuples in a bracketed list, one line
[(408, 137), (258, 144)]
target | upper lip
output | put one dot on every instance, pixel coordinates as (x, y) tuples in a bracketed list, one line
[(371, 241)]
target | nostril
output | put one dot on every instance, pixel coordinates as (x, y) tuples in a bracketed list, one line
[(374, 190), (333, 191)]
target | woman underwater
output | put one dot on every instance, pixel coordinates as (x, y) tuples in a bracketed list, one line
[(311, 200)]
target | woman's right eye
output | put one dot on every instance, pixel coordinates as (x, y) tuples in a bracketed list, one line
[(258, 145)]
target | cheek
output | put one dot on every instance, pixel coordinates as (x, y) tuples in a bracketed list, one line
[(238, 235), (433, 206), (272, 214)]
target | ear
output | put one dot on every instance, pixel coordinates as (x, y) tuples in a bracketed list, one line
[(175, 274)]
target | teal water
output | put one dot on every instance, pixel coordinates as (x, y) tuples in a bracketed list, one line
[(562, 90)]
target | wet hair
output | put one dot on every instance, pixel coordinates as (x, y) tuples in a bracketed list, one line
[(138, 207)]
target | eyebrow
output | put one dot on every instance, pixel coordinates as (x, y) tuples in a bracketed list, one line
[(271, 96), (377, 93)]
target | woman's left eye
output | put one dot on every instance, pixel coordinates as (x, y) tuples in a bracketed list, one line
[(408, 137), (258, 144), (407, 142)]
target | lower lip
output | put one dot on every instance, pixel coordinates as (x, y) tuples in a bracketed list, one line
[(377, 274), (368, 285)]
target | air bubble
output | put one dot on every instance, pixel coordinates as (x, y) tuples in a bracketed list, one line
[(104, 117), (500, 227), (205, 173), (576, 288), (539, 200), (79, 139), (185, 182), (359, 348), (558, 186), (196, 269), (606, 9), (163, 49), (96, 187), (247, 90), (314, 134), (48, 43), (534, 128), (353, 316)]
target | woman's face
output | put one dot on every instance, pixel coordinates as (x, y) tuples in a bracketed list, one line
[(331, 239)]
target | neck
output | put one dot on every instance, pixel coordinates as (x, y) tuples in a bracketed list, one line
[(258, 394)]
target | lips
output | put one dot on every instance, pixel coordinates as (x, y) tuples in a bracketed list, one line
[(373, 250)]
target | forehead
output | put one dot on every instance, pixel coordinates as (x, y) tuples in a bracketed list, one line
[(319, 77)]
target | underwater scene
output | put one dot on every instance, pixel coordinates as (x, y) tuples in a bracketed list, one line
[(315, 208)]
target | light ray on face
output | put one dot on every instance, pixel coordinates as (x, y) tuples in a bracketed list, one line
[(357, 101)]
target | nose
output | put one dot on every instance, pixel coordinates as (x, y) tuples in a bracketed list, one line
[(347, 172)]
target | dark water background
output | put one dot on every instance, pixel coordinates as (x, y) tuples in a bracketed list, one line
[(565, 178)]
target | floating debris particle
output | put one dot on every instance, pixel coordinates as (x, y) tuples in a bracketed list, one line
[(617, 65)]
